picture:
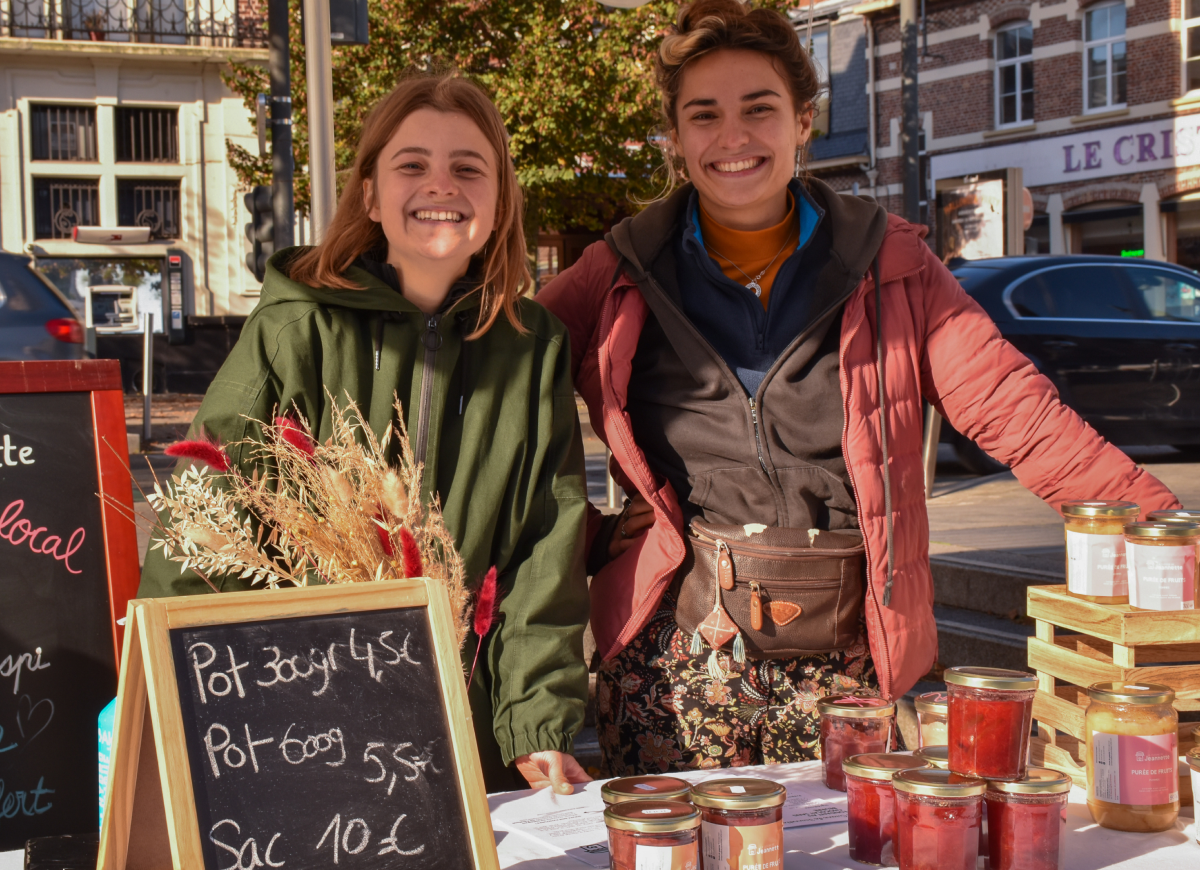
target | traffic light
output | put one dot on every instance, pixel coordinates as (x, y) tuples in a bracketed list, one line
[(261, 230)]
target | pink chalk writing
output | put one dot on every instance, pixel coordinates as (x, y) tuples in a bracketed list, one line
[(17, 531)]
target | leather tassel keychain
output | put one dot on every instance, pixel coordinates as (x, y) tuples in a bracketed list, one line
[(718, 629)]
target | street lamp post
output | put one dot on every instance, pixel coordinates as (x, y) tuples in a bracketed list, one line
[(319, 66)]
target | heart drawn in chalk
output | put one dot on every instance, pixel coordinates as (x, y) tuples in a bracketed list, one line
[(33, 719)]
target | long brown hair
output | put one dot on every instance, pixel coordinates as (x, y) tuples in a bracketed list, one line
[(352, 233), (706, 26)]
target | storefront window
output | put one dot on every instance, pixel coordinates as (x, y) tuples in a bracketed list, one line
[(1183, 228), (1014, 75), (1114, 229), (1104, 57), (1037, 237), (74, 277)]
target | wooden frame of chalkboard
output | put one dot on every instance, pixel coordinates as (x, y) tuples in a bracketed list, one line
[(101, 379), (183, 795)]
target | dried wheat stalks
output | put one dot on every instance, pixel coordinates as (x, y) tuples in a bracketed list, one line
[(335, 512)]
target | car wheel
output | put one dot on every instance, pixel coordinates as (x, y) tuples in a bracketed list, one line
[(972, 456)]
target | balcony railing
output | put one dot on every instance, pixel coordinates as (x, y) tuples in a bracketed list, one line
[(219, 23)]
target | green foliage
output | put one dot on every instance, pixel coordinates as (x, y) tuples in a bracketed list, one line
[(572, 79)]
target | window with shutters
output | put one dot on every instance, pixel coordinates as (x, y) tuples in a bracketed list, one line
[(63, 133), (147, 135)]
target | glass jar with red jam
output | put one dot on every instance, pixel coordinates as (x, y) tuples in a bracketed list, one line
[(755, 808), (659, 834), (938, 819), (933, 713), (1027, 821), (872, 805), (991, 716), (934, 756), (645, 788), (852, 725)]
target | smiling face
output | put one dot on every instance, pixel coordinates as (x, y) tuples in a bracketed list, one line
[(434, 193), (737, 130)]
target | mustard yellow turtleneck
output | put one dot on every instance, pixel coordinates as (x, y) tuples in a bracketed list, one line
[(751, 250)]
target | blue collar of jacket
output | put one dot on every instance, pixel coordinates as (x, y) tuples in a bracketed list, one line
[(810, 213)]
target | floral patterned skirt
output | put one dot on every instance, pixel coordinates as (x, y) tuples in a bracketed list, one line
[(659, 710)]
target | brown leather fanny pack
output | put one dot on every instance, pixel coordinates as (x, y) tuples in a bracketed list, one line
[(790, 592)]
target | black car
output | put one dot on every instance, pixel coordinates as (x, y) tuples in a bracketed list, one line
[(36, 320), (1120, 339)]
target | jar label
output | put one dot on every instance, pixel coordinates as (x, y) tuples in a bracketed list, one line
[(665, 857), (1162, 578), (746, 847), (1135, 770), (1096, 564)]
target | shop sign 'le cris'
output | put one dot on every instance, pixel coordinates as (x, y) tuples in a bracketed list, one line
[(1152, 145)]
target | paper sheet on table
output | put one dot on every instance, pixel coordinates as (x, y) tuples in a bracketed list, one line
[(574, 823)]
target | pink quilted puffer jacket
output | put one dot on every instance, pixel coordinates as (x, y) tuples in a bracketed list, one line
[(939, 346)]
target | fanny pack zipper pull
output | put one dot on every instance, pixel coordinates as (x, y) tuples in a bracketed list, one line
[(724, 566), (756, 609)]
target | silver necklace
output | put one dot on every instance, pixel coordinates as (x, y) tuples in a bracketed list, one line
[(753, 282)]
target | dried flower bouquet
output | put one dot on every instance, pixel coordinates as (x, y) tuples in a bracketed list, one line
[(331, 513)]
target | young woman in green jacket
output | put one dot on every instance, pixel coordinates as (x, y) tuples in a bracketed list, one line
[(416, 291)]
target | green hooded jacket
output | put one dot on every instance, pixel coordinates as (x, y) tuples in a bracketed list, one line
[(495, 423)]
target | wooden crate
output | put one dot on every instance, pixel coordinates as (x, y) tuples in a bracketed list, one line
[(1078, 643)]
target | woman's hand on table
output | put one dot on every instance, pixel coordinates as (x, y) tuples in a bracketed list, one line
[(635, 519), (554, 769)]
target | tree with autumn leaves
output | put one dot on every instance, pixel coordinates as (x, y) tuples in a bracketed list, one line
[(573, 80)]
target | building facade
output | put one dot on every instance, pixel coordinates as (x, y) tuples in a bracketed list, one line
[(1096, 103), (113, 114)]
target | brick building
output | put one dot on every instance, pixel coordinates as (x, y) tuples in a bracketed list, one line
[(1097, 103)]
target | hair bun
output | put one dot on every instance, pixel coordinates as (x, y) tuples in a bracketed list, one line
[(691, 16)]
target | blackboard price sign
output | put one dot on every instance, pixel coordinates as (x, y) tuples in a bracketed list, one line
[(300, 728), (68, 563)]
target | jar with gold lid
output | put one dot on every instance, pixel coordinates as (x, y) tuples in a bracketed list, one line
[(1180, 515), (1095, 532), (933, 712), (934, 756), (645, 788), (1162, 565), (1027, 821), (852, 725), (755, 808), (991, 717), (1131, 731), (871, 805), (938, 819), (659, 834)]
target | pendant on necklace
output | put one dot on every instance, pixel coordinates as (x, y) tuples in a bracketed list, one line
[(753, 285)]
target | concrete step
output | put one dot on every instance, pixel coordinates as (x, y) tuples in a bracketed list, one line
[(993, 581), (968, 637)]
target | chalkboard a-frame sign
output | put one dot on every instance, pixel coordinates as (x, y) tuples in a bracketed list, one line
[(68, 566), (298, 728)]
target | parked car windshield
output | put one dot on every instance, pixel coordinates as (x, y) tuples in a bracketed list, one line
[(1075, 292), (1168, 295)]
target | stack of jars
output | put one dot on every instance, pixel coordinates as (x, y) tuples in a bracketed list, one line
[(663, 823)]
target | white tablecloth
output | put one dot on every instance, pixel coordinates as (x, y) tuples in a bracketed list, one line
[(821, 847)]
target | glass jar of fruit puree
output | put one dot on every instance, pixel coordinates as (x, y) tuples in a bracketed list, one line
[(645, 788), (1027, 821), (933, 712), (1193, 763), (938, 818), (934, 756), (852, 725), (1095, 532), (991, 716), (1181, 515), (755, 808), (1162, 565), (658, 834), (871, 804), (1132, 735)]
